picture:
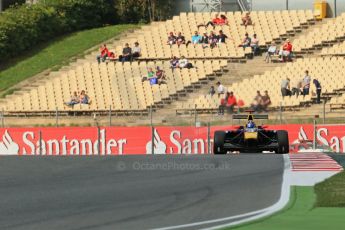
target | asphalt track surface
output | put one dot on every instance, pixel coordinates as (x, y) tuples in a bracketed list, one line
[(134, 192)]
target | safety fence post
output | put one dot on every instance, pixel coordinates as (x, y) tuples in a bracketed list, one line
[(3, 118), (281, 113), (56, 117), (314, 134), (208, 138), (95, 119), (324, 112), (110, 121), (152, 140), (152, 132), (40, 142), (151, 116), (195, 115), (99, 140)]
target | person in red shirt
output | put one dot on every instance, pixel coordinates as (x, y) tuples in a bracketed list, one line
[(215, 21), (104, 54), (287, 46), (223, 20), (240, 104), (231, 102), (286, 51)]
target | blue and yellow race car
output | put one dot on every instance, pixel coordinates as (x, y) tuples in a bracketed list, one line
[(251, 138)]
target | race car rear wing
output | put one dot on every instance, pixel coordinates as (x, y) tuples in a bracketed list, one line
[(250, 116)]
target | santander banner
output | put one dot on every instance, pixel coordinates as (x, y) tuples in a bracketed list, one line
[(75, 141)]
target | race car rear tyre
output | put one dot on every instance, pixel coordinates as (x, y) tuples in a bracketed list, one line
[(218, 142), (283, 142)]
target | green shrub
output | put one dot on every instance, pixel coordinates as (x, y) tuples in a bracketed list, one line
[(82, 14), (8, 3), (24, 26)]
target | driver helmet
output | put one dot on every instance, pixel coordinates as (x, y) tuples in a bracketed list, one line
[(250, 125)]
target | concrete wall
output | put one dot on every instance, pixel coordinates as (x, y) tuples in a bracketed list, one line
[(189, 5), (296, 5)]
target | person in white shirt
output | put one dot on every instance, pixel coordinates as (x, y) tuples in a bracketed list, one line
[(183, 62), (254, 44), (221, 89), (136, 51), (272, 50), (306, 83)]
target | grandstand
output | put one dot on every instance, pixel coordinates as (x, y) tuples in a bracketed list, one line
[(113, 86), (269, 26), (117, 87), (328, 70), (328, 34), (335, 50)]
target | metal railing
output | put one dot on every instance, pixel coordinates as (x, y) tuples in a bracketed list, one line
[(245, 5)]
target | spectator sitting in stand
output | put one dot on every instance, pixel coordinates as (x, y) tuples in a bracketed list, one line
[(111, 55), (272, 49), (74, 99), (221, 37), (160, 75), (215, 21), (84, 98), (174, 62), (286, 52), (136, 50), (204, 40), (213, 40), (306, 83), (231, 102), (180, 39), (246, 41), (150, 74), (183, 63), (104, 53), (318, 90), (285, 87), (257, 102), (255, 45), (196, 39), (240, 104), (126, 53), (223, 20), (266, 101), (171, 39), (211, 91), (247, 20), (297, 88)]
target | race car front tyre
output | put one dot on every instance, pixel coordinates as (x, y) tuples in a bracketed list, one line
[(218, 142), (283, 142)]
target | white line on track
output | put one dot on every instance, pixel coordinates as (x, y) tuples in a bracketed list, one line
[(284, 199)]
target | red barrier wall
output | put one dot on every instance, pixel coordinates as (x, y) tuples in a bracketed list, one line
[(137, 140)]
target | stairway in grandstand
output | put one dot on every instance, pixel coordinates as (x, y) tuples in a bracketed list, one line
[(236, 72), (119, 85)]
